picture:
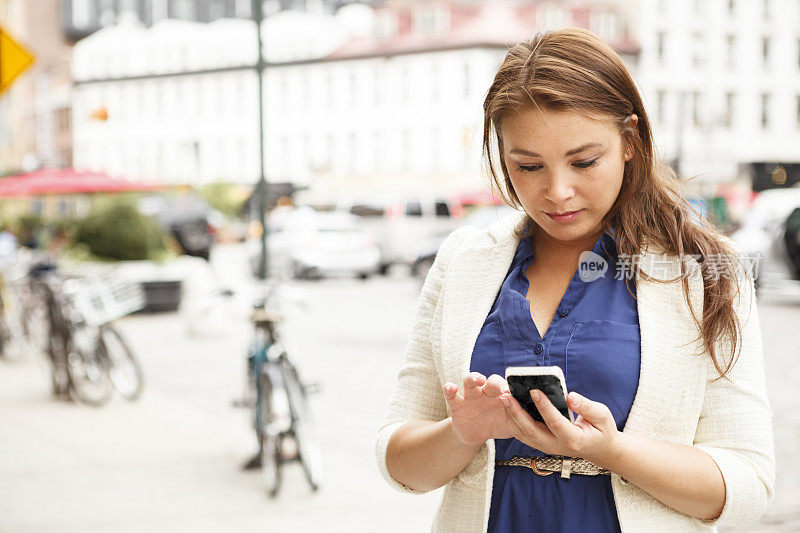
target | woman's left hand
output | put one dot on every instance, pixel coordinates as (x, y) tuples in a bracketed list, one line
[(593, 436)]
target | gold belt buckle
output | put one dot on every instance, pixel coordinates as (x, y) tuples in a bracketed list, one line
[(536, 468)]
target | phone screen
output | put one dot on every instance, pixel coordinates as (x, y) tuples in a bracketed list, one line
[(550, 385)]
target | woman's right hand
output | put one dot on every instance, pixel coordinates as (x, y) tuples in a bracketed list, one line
[(478, 415)]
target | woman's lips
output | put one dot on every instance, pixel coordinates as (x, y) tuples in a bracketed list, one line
[(564, 217)]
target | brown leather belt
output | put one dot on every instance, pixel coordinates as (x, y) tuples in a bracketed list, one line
[(544, 466)]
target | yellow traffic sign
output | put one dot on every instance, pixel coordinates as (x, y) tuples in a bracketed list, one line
[(14, 59)]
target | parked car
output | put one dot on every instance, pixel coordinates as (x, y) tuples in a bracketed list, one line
[(186, 218), (763, 234), (480, 217), (306, 244), (400, 225)]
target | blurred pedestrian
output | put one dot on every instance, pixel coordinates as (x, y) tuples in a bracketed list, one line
[(658, 442), (8, 247)]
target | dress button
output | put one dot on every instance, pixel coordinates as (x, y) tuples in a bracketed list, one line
[(563, 312), (538, 349)]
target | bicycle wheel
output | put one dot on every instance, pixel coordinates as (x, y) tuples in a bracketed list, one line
[(88, 378), (123, 369), (305, 437), (269, 438)]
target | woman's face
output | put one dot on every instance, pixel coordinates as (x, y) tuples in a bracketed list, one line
[(561, 162)]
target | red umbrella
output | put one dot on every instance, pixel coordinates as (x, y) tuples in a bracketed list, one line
[(67, 181)]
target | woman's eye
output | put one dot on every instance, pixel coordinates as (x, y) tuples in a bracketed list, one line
[(587, 164), (529, 168)]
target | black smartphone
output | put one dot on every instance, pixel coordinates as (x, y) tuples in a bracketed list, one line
[(548, 379)]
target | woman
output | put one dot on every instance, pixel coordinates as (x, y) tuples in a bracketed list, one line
[(661, 439)]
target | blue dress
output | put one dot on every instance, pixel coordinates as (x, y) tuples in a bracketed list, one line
[(594, 338)]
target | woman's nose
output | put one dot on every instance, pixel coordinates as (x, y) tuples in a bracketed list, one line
[(559, 188)]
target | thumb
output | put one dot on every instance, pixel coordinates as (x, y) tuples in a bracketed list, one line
[(593, 412)]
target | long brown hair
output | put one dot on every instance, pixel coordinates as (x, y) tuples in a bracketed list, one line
[(574, 70)]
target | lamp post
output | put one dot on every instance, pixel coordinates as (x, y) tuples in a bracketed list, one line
[(258, 18)]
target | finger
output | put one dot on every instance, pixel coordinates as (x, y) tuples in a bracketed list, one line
[(556, 422), (495, 386), (513, 427), (527, 427), (452, 396), (472, 384), (596, 413)]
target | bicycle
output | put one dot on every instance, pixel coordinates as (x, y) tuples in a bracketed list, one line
[(21, 311), (89, 357), (279, 401)]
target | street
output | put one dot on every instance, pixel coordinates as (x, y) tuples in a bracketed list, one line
[(171, 461)]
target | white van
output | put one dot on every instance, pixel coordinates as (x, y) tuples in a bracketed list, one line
[(401, 226)]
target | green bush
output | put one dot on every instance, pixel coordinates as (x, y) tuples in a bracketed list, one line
[(118, 231)]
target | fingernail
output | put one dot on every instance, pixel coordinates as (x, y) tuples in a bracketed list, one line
[(535, 394), (576, 399)]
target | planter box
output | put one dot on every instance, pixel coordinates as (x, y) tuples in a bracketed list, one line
[(162, 296)]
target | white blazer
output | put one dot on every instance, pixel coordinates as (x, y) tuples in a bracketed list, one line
[(677, 399)]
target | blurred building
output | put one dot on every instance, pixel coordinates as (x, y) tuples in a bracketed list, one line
[(84, 17), (379, 98), (35, 123), (724, 96)]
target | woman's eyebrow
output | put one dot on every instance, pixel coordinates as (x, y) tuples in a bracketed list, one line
[(579, 149)]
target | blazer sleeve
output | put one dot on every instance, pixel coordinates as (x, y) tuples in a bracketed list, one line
[(417, 393), (735, 425)]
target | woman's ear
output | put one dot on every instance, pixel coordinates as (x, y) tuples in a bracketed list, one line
[(631, 121)]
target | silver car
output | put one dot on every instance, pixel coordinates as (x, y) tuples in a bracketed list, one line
[(305, 244)]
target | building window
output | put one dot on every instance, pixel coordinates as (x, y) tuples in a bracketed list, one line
[(105, 10), (798, 53), (434, 82), (405, 150), (467, 86), (765, 46), (797, 111), (731, 7), (660, 45), (554, 17), (698, 50), (242, 9), (730, 100), (129, 6), (698, 7), (604, 24), (183, 9), (378, 92), (216, 9), (661, 104), (81, 13), (696, 109), (405, 83), (765, 98), (429, 19), (730, 51), (767, 9)]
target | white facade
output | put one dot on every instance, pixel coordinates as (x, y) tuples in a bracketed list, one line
[(414, 119), (182, 103), (407, 117), (737, 63)]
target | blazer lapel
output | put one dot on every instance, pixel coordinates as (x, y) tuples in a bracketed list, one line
[(474, 277), (669, 349)]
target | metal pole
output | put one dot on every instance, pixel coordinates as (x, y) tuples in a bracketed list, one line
[(258, 17)]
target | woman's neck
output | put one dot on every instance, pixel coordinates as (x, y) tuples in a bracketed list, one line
[(556, 251)]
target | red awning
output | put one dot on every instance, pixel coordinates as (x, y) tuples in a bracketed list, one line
[(67, 181)]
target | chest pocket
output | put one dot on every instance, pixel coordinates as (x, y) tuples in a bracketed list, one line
[(602, 362)]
